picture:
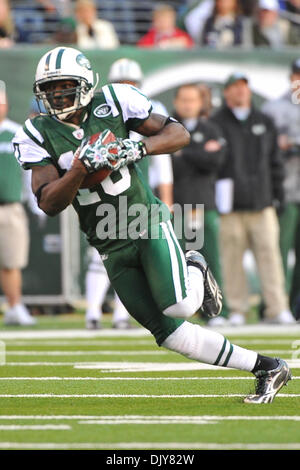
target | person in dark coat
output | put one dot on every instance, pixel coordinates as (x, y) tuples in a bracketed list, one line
[(195, 170), (254, 165)]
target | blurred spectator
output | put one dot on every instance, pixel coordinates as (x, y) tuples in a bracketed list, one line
[(195, 169), (91, 31), (194, 17), (224, 28), (248, 7), (206, 99), (286, 113), (66, 32), (292, 13), (254, 166), (32, 22), (293, 6), (268, 28), (62, 7), (14, 235), (7, 28), (96, 287), (128, 16), (164, 34)]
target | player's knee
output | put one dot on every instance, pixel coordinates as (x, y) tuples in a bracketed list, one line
[(187, 339), (183, 309)]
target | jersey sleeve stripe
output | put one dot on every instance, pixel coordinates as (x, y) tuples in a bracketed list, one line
[(116, 101), (26, 131), (30, 127), (28, 150), (110, 101)]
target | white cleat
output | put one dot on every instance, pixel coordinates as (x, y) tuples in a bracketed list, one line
[(18, 315), (284, 318), (122, 325), (217, 321), (237, 319), (93, 324), (269, 383)]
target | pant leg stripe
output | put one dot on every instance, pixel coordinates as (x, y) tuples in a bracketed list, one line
[(183, 261), (221, 353), (228, 356), (174, 263)]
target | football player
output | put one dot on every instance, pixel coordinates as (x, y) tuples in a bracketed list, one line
[(158, 171), (159, 287)]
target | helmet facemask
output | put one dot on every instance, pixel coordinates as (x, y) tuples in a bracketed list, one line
[(54, 101)]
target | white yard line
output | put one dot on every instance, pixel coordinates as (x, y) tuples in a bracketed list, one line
[(74, 333), (40, 427), (33, 364), (100, 379), (54, 395), (183, 418), (120, 352), (101, 342), (87, 353), (281, 352), (125, 366), (134, 366), (149, 341), (254, 330), (160, 367), (126, 379), (144, 421), (262, 341), (260, 329), (149, 445)]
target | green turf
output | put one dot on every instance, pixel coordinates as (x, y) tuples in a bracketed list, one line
[(57, 357)]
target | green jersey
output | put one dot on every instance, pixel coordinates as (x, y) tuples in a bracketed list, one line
[(10, 174), (122, 207)]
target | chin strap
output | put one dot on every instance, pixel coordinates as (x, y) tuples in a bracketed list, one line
[(97, 81)]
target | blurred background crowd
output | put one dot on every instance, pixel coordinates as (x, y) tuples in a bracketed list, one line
[(242, 164), (179, 24)]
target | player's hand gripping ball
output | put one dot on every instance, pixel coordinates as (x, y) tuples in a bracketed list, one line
[(99, 154)]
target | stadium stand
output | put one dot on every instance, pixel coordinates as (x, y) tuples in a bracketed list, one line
[(131, 18)]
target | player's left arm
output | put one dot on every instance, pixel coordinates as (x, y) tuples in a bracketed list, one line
[(163, 135)]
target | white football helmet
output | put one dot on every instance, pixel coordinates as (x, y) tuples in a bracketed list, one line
[(125, 70), (64, 63)]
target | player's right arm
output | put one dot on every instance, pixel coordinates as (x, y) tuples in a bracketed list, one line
[(54, 193)]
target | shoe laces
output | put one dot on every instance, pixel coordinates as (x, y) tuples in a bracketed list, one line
[(263, 379)]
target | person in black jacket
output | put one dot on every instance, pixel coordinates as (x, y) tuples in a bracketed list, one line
[(195, 169), (254, 165)]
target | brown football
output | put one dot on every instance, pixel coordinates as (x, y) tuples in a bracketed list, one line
[(95, 178)]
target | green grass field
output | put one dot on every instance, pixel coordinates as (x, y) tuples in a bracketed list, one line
[(65, 388)]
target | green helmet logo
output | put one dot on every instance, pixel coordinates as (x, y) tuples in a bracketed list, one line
[(83, 61)]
